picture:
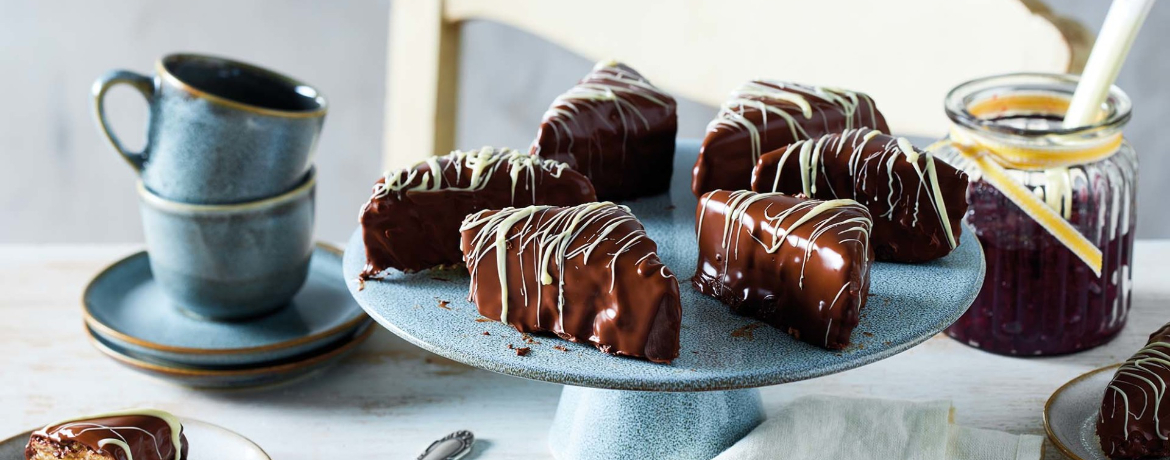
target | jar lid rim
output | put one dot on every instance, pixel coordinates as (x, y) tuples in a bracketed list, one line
[(1119, 107)]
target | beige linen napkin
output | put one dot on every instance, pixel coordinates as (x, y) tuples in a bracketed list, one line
[(824, 427)]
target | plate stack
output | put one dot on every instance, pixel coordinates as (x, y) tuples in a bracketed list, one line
[(128, 318)]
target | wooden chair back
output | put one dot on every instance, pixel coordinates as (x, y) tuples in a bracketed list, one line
[(906, 54)]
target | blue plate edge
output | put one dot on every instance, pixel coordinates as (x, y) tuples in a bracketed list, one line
[(326, 335), (739, 381)]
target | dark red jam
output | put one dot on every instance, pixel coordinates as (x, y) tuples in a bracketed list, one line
[(1038, 298)]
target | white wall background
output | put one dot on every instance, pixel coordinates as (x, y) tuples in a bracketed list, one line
[(60, 182)]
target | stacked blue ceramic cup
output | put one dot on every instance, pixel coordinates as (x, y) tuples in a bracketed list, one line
[(226, 182), (226, 187)]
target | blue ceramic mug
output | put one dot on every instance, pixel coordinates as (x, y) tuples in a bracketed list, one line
[(220, 131), (230, 261)]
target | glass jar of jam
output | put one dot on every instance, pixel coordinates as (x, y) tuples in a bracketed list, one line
[(1058, 262)]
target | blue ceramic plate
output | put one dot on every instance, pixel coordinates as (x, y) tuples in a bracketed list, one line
[(907, 305), (125, 307), (204, 440), (241, 377)]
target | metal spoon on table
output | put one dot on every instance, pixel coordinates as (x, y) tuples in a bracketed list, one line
[(451, 447)]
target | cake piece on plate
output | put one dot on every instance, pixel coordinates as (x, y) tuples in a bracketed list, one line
[(917, 201), (615, 128), (799, 265), (764, 115), (142, 434), (586, 273), (412, 220), (1134, 421)]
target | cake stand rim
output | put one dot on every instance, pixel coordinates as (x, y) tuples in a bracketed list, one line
[(699, 384)]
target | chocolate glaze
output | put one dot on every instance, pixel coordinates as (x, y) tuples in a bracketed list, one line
[(1134, 421), (897, 182), (764, 115), (616, 128), (412, 223), (148, 437), (586, 273), (799, 265)]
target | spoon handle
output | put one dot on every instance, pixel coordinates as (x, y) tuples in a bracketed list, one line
[(451, 447)]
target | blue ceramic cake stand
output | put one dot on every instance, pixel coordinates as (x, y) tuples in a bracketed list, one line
[(694, 408)]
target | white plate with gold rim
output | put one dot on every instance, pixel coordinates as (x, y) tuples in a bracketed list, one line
[(1070, 415), (205, 441)]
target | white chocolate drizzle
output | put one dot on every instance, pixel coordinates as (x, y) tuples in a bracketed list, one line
[(785, 221), (1145, 370), (853, 143), (482, 163), (608, 82), (787, 101), (553, 238), (780, 225), (76, 426)]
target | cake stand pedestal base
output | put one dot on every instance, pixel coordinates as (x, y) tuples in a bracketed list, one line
[(595, 424)]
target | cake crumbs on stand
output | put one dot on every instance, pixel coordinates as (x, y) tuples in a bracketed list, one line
[(746, 331)]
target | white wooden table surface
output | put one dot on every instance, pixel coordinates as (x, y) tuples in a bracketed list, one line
[(390, 399)]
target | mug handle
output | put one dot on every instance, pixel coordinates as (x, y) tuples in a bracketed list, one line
[(144, 85)]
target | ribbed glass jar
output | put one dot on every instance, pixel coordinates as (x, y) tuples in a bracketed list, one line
[(1038, 297)]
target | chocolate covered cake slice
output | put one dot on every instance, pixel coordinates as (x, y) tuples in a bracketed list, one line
[(129, 435), (412, 220), (1134, 421), (586, 273), (615, 128), (917, 201), (799, 265), (764, 115)]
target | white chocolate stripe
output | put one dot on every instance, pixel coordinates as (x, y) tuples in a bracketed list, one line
[(779, 98), (607, 82), (483, 164), (737, 206), (1144, 366), (172, 422), (552, 238), (810, 154)]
